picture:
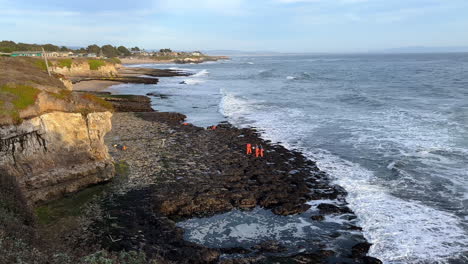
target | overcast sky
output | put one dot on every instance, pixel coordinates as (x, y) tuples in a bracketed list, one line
[(274, 25)]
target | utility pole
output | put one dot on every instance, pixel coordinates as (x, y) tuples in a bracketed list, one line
[(45, 59)]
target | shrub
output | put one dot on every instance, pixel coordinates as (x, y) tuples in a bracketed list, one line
[(24, 95), (94, 65), (65, 63), (40, 64), (19, 97), (115, 60), (62, 95), (97, 100)]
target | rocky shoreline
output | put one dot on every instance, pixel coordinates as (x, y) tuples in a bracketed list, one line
[(178, 171), (170, 171)]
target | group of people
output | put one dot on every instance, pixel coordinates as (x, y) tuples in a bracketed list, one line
[(259, 150)]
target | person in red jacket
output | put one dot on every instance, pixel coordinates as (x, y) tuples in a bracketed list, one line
[(249, 149), (257, 151)]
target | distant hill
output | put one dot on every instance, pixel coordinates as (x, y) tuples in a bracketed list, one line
[(422, 49)]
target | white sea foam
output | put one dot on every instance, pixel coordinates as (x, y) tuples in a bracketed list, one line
[(401, 231), (201, 73), (291, 78)]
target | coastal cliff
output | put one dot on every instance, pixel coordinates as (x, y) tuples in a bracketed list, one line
[(85, 67), (51, 140)]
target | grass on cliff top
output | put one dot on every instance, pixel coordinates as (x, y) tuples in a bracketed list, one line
[(97, 100), (14, 98), (65, 63), (94, 65)]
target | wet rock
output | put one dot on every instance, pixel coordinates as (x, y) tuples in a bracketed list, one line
[(249, 260), (360, 250), (271, 246), (159, 95), (318, 217), (290, 209), (235, 250), (248, 203), (210, 255), (370, 260), (332, 209)]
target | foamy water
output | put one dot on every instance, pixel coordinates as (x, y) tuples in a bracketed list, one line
[(390, 129)]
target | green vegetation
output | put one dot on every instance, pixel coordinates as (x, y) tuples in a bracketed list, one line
[(72, 205), (40, 64), (124, 51), (65, 63), (19, 98), (115, 60), (97, 100), (94, 65), (62, 95), (10, 46), (25, 95)]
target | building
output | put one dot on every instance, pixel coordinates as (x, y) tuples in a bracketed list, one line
[(197, 53), (40, 54), (27, 54)]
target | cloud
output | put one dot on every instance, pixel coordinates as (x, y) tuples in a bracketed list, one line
[(229, 7)]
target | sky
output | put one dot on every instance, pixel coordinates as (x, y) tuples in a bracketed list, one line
[(249, 25)]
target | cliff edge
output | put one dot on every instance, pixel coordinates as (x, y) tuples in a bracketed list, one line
[(51, 139)]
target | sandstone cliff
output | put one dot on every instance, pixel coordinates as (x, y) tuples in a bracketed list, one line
[(85, 67), (56, 153), (51, 140)]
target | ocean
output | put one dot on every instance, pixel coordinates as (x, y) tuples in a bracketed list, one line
[(391, 129)]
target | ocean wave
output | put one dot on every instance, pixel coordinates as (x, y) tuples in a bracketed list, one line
[(233, 106), (401, 231), (201, 73), (303, 76), (192, 82)]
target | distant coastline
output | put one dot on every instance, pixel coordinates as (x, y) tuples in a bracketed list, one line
[(151, 60)]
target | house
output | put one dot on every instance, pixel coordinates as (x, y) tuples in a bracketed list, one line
[(90, 55), (197, 54), (27, 54), (52, 54), (66, 54)]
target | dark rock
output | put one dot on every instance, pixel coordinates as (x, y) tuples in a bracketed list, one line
[(332, 209), (318, 217), (289, 209), (235, 250), (371, 260), (159, 95), (271, 246), (360, 250)]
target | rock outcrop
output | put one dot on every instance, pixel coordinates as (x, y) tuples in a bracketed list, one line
[(84, 67), (56, 153), (51, 139)]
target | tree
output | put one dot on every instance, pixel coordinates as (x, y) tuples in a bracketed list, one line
[(135, 49), (50, 47), (165, 50), (93, 49), (123, 51), (109, 51), (63, 48)]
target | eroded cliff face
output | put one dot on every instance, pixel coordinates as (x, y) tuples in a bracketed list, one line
[(56, 153), (83, 69)]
